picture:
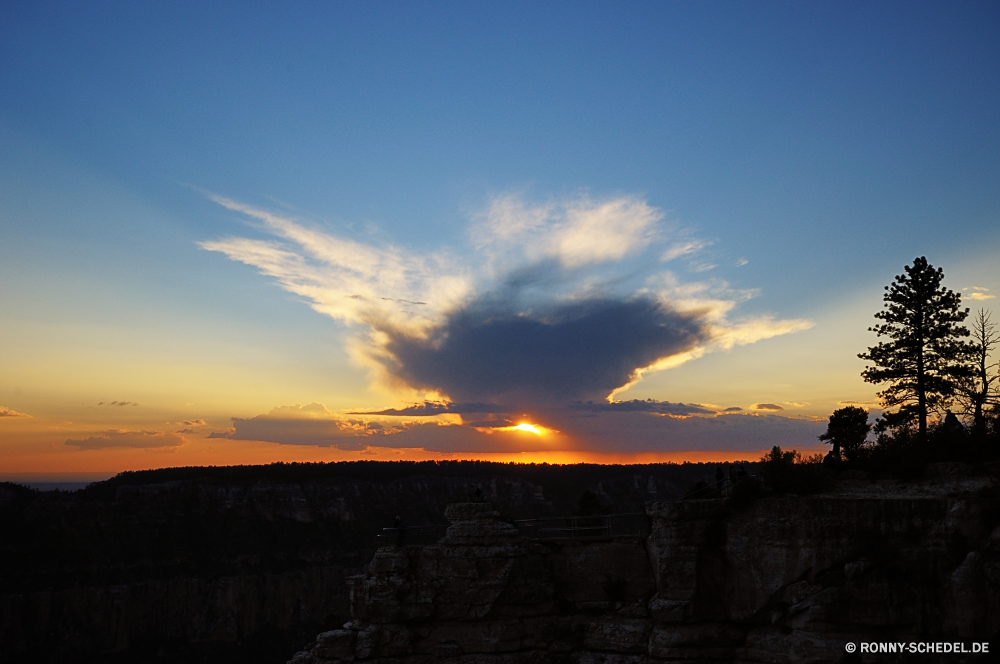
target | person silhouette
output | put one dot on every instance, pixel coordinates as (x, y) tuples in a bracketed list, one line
[(951, 422), (400, 530)]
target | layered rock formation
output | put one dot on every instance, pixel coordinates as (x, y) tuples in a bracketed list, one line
[(782, 579), (240, 564)]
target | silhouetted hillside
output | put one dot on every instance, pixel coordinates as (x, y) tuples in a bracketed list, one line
[(246, 563)]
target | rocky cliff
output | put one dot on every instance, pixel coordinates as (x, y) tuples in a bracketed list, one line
[(779, 579), (240, 564)]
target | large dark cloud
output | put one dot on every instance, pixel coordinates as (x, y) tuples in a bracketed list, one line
[(577, 351)]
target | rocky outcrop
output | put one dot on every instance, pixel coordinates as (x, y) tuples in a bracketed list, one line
[(778, 580), (486, 591), (242, 564)]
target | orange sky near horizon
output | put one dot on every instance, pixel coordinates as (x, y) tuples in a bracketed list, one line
[(232, 247), (49, 463)]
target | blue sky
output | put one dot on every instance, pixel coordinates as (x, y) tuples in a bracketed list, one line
[(803, 152)]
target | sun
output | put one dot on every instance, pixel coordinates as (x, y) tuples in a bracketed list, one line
[(527, 427)]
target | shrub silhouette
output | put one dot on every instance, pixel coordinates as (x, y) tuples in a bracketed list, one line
[(847, 432), (589, 504), (784, 472)]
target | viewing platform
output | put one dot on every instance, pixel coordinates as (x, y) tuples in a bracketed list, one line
[(544, 529)]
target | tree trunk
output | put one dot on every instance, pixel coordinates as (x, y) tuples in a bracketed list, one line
[(921, 392)]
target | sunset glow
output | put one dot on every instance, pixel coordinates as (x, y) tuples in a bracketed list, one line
[(344, 233)]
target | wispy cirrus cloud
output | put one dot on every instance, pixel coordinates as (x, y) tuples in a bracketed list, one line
[(7, 412), (135, 439), (553, 302)]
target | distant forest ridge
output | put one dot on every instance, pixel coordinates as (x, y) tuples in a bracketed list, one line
[(388, 471)]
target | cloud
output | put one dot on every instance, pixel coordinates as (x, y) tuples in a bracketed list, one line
[(582, 350), (7, 412), (637, 432), (340, 433), (193, 423), (485, 438), (573, 233), (133, 439), (624, 427), (639, 406), (682, 248), (315, 425), (432, 408), (766, 406), (978, 293), (562, 301), (118, 403), (732, 409), (311, 424)]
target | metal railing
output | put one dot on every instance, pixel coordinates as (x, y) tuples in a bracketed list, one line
[(411, 535), (722, 488), (602, 526)]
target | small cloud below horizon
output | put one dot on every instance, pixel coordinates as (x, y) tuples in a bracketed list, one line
[(310, 424), (766, 406), (7, 412), (433, 408), (637, 426), (130, 439), (642, 406)]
